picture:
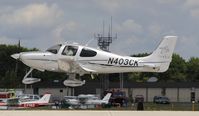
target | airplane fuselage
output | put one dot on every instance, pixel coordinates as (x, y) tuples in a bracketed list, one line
[(102, 62), (74, 58)]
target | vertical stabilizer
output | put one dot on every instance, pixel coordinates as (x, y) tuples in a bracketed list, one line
[(45, 98), (107, 97), (162, 56)]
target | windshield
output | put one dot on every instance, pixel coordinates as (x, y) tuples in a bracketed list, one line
[(54, 49)]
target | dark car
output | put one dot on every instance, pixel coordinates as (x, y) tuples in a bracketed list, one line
[(161, 100), (118, 98), (139, 98), (155, 98)]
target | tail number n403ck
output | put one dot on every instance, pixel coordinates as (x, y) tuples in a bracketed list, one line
[(122, 61)]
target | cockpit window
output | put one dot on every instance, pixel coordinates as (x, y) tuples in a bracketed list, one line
[(54, 49), (88, 53), (70, 50)]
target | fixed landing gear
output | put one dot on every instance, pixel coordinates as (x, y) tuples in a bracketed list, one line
[(73, 82), (30, 80)]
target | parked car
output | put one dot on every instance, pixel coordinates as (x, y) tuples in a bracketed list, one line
[(197, 100), (155, 98), (118, 97), (139, 98), (161, 100)]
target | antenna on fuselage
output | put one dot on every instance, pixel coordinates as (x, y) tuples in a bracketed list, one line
[(89, 41)]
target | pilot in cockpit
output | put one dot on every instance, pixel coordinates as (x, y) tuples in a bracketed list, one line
[(70, 51)]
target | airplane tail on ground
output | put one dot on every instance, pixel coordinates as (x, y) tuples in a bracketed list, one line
[(45, 98), (162, 56), (41, 102), (107, 97)]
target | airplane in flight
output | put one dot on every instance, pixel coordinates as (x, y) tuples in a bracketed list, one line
[(16, 102), (75, 59)]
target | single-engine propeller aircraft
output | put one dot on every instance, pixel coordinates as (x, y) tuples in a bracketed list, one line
[(77, 59), (87, 99), (18, 103)]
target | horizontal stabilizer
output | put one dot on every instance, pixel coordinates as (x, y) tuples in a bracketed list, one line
[(153, 66)]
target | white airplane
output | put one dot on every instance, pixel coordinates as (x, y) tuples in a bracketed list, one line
[(95, 101), (72, 100), (77, 59), (77, 101)]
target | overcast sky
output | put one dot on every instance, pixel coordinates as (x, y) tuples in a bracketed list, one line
[(139, 24)]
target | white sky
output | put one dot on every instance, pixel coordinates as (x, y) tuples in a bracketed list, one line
[(139, 24)]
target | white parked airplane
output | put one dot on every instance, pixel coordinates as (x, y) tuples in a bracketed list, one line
[(77, 101), (72, 100), (77, 59), (94, 101)]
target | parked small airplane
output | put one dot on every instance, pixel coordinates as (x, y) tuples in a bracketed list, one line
[(77, 101), (16, 102), (77, 59), (41, 102), (94, 101), (28, 97)]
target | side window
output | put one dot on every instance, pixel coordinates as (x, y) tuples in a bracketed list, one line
[(31, 97), (70, 50), (87, 53), (36, 97)]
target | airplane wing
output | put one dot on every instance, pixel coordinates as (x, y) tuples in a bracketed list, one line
[(70, 65), (87, 69)]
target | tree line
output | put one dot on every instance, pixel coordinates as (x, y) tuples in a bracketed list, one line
[(13, 71), (179, 70)]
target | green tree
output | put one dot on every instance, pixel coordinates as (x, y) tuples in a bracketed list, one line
[(193, 69), (8, 75), (9, 80), (140, 76), (176, 71)]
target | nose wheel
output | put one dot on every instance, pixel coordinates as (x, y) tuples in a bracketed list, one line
[(73, 82), (30, 80)]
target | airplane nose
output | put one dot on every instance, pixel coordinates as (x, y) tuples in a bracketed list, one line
[(15, 56)]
